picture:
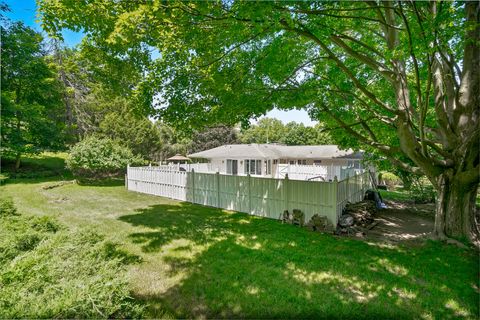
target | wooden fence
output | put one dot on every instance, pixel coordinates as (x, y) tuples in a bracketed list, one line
[(265, 197)]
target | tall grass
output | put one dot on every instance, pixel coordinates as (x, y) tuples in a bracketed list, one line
[(48, 271)]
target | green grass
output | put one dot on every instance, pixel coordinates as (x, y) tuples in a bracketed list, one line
[(44, 165), (396, 195), (197, 261)]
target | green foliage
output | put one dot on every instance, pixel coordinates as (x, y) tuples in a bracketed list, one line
[(32, 115), (390, 179), (7, 207), (422, 191), (267, 130), (45, 224), (43, 165), (96, 157), (27, 242), (212, 137), (36, 265), (173, 141), (137, 133), (274, 131)]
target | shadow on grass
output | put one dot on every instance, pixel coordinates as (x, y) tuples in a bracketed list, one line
[(110, 182), (238, 266), (34, 169)]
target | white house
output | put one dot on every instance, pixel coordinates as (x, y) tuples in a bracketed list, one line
[(275, 160)]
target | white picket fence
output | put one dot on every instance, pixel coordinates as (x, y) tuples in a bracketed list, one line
[(266, 197)]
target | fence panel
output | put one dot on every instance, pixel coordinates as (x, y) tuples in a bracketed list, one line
[(266, 197), (233, 193), (352, 189)]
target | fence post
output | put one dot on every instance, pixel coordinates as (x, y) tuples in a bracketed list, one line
[(249, 188), (126, 177), (193, 186), (335, 200), (347, 179), (285, 190), (218, 189)]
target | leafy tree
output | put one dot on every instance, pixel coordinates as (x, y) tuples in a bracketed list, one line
[(398, 77), (270, 130), (95, 157), (174, 141), (267, 130), (212, 137), (97, 81), (31, 112), (137, 133), (299, 134)]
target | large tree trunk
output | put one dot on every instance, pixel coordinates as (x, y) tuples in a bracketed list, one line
[(455, 212)]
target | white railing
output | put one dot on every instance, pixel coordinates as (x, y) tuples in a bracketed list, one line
[(266, 197), (314, 172)]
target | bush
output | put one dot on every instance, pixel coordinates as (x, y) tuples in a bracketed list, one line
[(7, 207), (27, 242), (422, 192), (79, 273), (45, 224), (389, 179), (96, 157)]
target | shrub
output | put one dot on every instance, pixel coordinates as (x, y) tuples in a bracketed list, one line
[(422, 192), (96, 157), (27, 242), (7, 207), (390, 179), (79, 274), (45, 224)]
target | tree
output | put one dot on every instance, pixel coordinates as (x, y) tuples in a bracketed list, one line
[(31, 117), (137, 133), (173, 141), (398, 77), (267, 130), (97, 82), (299, 134), (212, 137)]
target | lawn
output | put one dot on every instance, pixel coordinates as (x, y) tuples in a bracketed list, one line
[(194, 261)]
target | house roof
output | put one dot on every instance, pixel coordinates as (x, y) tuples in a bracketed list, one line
[(276, 151)]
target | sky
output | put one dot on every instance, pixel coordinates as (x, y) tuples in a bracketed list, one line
[(26, 11)]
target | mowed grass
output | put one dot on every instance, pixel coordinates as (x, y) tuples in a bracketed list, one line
[(196, 261)]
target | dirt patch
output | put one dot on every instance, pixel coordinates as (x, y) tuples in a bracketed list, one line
[(403, 222)]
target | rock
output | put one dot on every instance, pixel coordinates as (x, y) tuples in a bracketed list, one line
[(319, 223), (346, 220)]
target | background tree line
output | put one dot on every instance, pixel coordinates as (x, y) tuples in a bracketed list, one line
[(54, 96)]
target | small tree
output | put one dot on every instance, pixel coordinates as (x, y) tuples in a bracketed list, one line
[(96, 157)]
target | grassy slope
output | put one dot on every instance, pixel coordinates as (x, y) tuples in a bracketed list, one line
[(200, 261)]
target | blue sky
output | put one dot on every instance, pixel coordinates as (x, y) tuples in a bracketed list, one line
[(26, 11)]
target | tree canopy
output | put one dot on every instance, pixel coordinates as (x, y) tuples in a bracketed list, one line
[(31, 112), (270, 130), (398, 77)]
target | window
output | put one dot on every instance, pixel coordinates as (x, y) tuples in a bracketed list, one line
[(292, 161), (303, 162), (317, 162), (232, 166), (269, 166), (253, 166)]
